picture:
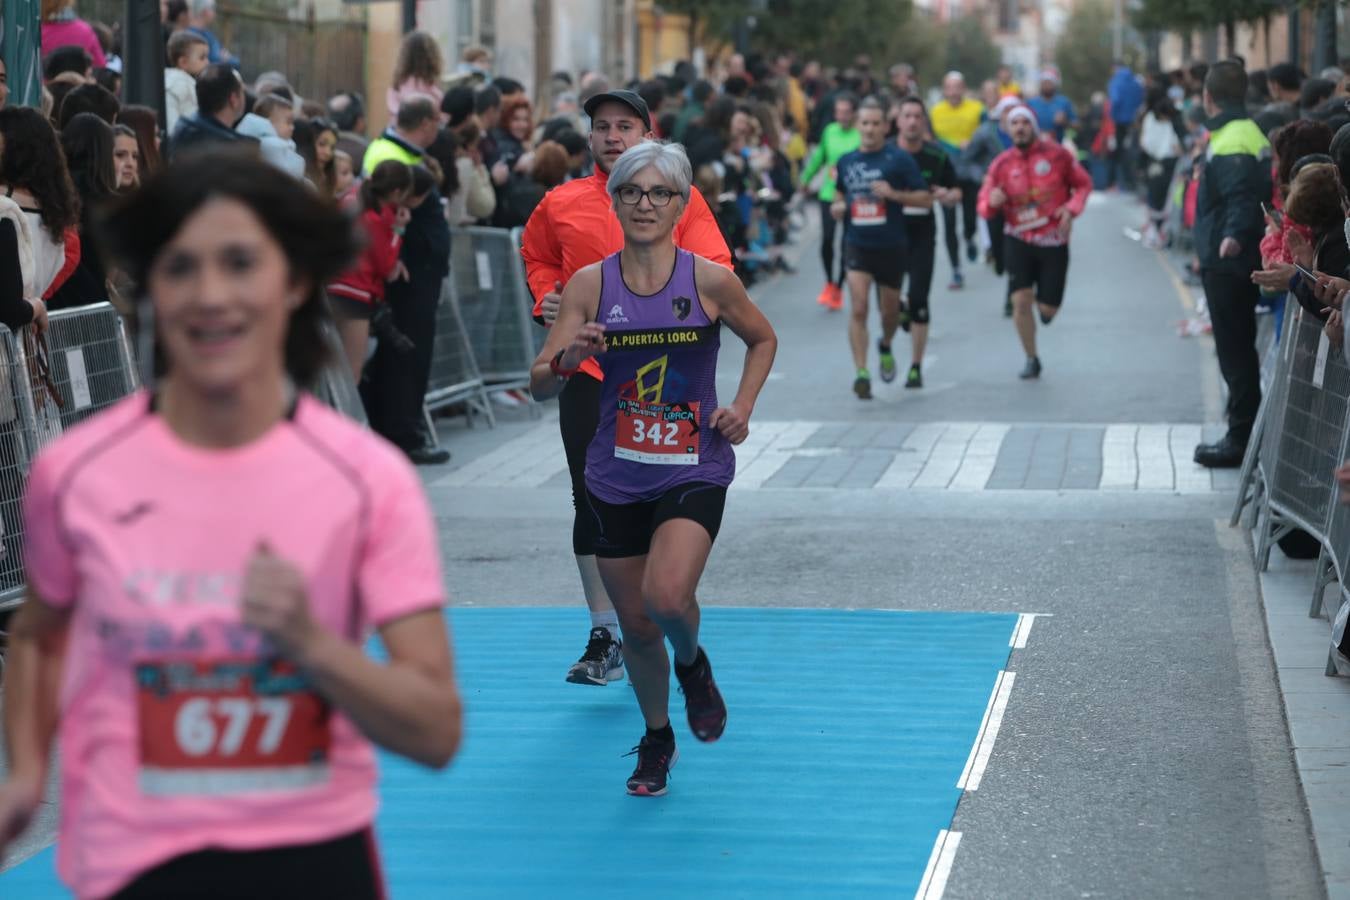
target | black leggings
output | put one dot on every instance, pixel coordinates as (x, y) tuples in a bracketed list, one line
[(827, 231), (969, 195), (921, 237), (578, 419), (345, 867)]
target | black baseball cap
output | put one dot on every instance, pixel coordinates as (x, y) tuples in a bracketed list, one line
[(627, 98)]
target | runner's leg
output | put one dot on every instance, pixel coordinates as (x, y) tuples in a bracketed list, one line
[(922, 253), (644, 645), (949, 215), (578, 418), (1024, 318), (827, 230), (679, 553), (860, 295), (970, 191)]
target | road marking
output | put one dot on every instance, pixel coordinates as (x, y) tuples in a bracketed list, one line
[(1022, 632), (939, 869), (1192, 478), (1120, 465), (984, 743), (1155, 458), (913, 455), (954, 456), (980, 459), (775, 454), (946, 457)]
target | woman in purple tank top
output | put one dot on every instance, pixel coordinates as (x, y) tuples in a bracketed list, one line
[(659, 466)]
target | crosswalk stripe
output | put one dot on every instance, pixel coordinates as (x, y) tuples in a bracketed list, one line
[(946, 457), (913, 455), (955, 456), (1155, 459), (1192, 478), (980, 459), (1120, 467), (774, 455)]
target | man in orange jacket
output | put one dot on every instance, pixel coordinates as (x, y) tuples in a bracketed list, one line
[(573, 227)]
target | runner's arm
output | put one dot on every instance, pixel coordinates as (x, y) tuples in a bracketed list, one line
[(983, 206), (542, 254), (747, 322), (410, 705), (574, 315)]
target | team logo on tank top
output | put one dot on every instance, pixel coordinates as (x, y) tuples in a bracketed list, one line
[(681, 307)]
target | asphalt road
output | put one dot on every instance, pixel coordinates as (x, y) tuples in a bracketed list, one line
[(1144, 751)]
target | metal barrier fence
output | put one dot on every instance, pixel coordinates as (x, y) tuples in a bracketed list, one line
[(87, 366), (495, 306), (1302, 436), (454, 369), (335, 385)]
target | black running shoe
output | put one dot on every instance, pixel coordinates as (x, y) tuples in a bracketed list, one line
[(972, 252), (702, 700), (601, 663), (862, 386), (1032, 369), (654, 762), (915, 378)]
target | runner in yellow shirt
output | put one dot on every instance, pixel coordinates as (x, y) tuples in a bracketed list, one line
[(954, 120)]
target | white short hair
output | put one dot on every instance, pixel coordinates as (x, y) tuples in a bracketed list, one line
[(668, 159)]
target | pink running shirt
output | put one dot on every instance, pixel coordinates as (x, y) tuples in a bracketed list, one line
[(179, 729)]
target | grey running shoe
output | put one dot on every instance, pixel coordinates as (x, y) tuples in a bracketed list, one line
[(601, 663)]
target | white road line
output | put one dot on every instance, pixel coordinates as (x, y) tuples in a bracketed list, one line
[(1192, 478), (1155, 459), (1018, 640), (1120, 467), (939, 868), (762, 435), (913, 455), (980, 459), (529, 446), (775, 456), (984, 743), (946, 457)]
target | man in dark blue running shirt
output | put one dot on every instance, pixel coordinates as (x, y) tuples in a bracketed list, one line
[(876, 182)]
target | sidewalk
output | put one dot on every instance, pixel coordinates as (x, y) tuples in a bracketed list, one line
[(1317, 708)]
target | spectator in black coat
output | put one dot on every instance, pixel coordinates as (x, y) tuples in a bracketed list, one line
[(395, 381)]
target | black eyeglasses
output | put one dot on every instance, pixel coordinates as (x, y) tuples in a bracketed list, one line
[(631, 195)]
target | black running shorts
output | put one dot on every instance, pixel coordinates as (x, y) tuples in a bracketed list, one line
[(885, 265), (625, 530), (1044, 268), (345, 867)]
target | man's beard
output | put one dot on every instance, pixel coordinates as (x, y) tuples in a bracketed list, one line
[(1023, 143)]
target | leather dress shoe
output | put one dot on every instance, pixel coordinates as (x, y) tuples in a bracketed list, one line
[(1226, 453)]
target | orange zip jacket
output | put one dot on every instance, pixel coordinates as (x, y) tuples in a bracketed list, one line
[(575, 226)]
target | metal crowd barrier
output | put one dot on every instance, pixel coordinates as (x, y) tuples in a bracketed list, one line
[(335, 385), (455, 377), (90, 367), (1302, 436), (488, 280)]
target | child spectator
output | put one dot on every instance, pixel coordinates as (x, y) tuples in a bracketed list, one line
[(187, 59), (355, 295), (316, 141), (344, 176), (417, 72), (272, 123)]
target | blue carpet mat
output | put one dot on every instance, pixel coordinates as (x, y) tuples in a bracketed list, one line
[(846, 736)]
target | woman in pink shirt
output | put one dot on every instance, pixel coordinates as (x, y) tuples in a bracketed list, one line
[(205, 562), (62, 28), (417, 73)]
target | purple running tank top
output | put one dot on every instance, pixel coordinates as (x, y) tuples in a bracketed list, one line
[(659, 392)]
